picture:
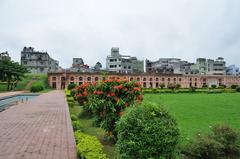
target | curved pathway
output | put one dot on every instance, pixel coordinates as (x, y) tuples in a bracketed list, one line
[(38, 129)]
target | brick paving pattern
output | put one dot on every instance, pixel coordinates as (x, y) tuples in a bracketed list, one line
[(38, 129)]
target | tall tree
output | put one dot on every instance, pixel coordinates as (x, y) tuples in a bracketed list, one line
[(11, 72)]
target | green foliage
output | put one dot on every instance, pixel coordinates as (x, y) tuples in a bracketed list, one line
[(71, 86), (196, 112), (154, 90), (234, 86), (162, 85), (222, 87), (238, 89), (147, 131), (74, 117), (11, 72), (88, 147), (192, 89), (36, 88), (107, 100), (223, 142), (77, 125), (213, 86), (204, 86)]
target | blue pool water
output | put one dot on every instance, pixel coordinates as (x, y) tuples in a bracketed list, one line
[(6, 102)]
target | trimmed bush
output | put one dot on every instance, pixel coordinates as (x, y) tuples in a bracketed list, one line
[(89, 147), (234, 86), (223, 142), (238, 89), (74, 118), (77, 126), (36, 88), (147, 131), (71, 86), (213, 86)]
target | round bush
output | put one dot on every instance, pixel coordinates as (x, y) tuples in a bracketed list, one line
[(147, 131), (238, 89), (74, 118), (71, 86), (36, 88)]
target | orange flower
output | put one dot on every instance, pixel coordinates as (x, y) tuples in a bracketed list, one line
[(120, 113)]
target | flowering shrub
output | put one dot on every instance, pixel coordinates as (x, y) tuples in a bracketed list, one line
[(108, 100)]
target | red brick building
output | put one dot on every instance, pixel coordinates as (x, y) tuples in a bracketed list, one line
[(60, 80)]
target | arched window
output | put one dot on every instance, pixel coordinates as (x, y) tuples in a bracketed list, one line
[(96, 78), (80, 78), (54, 78), (72, 78), (144, 79), (89, 78), (138, 79)]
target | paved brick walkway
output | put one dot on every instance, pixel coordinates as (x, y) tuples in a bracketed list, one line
[(38, 129)]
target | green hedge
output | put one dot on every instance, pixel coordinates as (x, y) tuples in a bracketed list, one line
[(222, 142), (77, 125), (88, 147), (36, 88)]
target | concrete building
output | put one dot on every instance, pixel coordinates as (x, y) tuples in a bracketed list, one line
[(38, 62), (211, 67), (169, 66), (60, 80), (233, 70), (123, 64), (79, 66), (5, 56)]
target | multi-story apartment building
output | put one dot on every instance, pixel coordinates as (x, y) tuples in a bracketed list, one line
[(211, 67), (123, 64), (5, 56), (169, 66), (233, 70), (38, 62)]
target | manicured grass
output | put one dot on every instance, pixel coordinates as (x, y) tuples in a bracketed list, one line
[(3, 87), (198, 112)]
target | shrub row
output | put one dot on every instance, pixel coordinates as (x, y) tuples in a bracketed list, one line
[(223, 142), (190, 90), (88, 147)]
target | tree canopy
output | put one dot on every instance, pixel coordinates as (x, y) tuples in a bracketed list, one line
[(11, 72)]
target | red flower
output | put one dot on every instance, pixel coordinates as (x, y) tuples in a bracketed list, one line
[(117, 99), (85, 93), (126, 89), (118, 80), (138, 84), (136, 89), (113, 94), (94, 83), (108, 95), (95, 92), (120, 86), (126, 104)]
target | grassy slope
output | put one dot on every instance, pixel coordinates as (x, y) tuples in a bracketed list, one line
[(197, 112)]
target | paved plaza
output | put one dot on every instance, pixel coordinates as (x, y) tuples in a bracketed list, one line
[(38, 129)]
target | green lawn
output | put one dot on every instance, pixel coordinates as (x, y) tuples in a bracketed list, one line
[(198, 112)]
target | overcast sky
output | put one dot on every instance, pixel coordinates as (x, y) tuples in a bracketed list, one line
[(149, 29)]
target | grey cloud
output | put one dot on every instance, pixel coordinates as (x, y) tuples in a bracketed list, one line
[(145, 28)]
